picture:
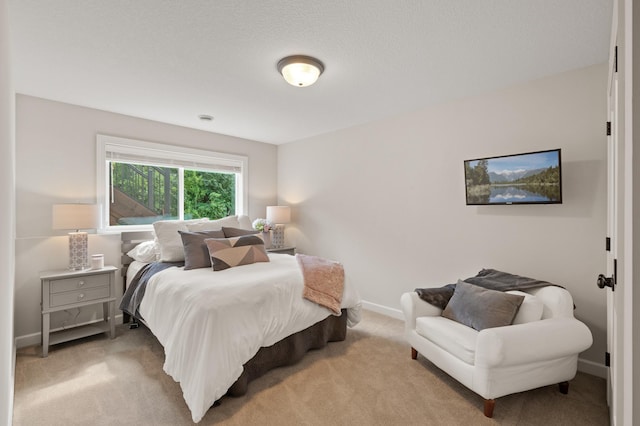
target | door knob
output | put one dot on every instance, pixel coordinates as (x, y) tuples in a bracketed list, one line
[(604, 281)]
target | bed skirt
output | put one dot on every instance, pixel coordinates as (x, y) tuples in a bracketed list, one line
[(291, 350)]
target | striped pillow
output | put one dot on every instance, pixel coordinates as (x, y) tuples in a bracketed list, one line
[(229, 252)]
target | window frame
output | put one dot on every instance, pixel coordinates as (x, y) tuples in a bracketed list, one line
[(165, 156)]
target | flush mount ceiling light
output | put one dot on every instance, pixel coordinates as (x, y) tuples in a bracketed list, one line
[(299, 70)]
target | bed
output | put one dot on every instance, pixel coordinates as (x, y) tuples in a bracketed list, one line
[(222, 329)]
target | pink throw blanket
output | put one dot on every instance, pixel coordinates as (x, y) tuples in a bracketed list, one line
[(323, 281)]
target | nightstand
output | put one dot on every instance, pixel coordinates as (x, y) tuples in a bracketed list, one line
[(65, 289), (284, 250)]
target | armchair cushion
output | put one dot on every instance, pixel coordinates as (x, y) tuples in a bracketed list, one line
[(455, 338), (481, 308)]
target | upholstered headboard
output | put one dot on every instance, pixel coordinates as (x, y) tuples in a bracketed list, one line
[(128, 240)]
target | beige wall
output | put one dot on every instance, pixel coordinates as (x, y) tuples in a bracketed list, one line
[(7, 222), (56, 162), (387, 198)]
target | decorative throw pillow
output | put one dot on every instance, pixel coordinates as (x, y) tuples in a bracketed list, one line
[(481, 308), (169, 240), (229, 252), (196, 253), (146, 251), (238, 232)]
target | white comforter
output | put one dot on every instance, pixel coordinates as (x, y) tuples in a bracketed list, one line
[(211, 323)]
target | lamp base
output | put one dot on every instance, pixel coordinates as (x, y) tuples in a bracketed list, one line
[(277, 239), (78, 251)]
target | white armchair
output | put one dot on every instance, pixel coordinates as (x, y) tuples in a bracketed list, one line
[(533, 352)]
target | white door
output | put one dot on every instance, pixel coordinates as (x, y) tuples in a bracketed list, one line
[(608, 281)]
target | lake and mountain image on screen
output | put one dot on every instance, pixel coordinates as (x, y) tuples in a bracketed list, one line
[(523, 178)]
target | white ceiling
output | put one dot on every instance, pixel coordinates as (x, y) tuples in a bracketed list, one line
[(171, 60)]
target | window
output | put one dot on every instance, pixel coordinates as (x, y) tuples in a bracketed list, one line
[(141, 182)]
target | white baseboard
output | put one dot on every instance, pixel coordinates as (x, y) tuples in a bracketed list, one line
[(35, 338), (593, 368), (28, 340), (384, 310)]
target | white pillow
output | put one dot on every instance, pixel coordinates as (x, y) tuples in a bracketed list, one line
[(245, 222), (169, 239), (216, 225), (530, 309), (147, 252), (213, 225)]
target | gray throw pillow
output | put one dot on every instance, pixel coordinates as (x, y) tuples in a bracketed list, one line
[(196, 253), (481, 308), (237, 232)]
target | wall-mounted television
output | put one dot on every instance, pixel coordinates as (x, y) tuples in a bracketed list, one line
[(527, 178)]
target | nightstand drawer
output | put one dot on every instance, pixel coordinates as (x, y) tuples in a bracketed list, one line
[(77, 283), (70, 297)]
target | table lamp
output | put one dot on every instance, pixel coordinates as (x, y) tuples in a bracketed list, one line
[(278, 215), (76, 216)]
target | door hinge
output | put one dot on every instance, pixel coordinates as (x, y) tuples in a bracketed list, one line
[(608, 128), (607, 359), (608, 244), (615, 59)]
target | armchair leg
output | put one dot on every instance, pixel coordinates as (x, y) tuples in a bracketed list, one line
[(564, 387), (488, 407), (414, 354)]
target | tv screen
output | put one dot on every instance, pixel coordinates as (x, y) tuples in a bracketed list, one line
[(528, 178)]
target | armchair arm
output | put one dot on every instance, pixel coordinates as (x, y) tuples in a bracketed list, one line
[(531, 342), (414, 307)]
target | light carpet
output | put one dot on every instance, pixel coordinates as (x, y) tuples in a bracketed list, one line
[(369, 379)]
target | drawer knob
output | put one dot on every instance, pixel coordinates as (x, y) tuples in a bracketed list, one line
[(81, 296), (80, 283)]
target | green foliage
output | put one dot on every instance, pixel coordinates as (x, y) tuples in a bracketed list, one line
[(545, 183), (208, 194), (546, 177), (478, 175)]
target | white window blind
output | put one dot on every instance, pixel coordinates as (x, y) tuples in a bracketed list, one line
[(171, 158)]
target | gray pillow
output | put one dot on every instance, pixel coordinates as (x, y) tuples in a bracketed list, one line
[(481, 308), (237, 232), (196, 253)]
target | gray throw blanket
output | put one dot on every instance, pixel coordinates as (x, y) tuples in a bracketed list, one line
[(486, 278), (135, 291)]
